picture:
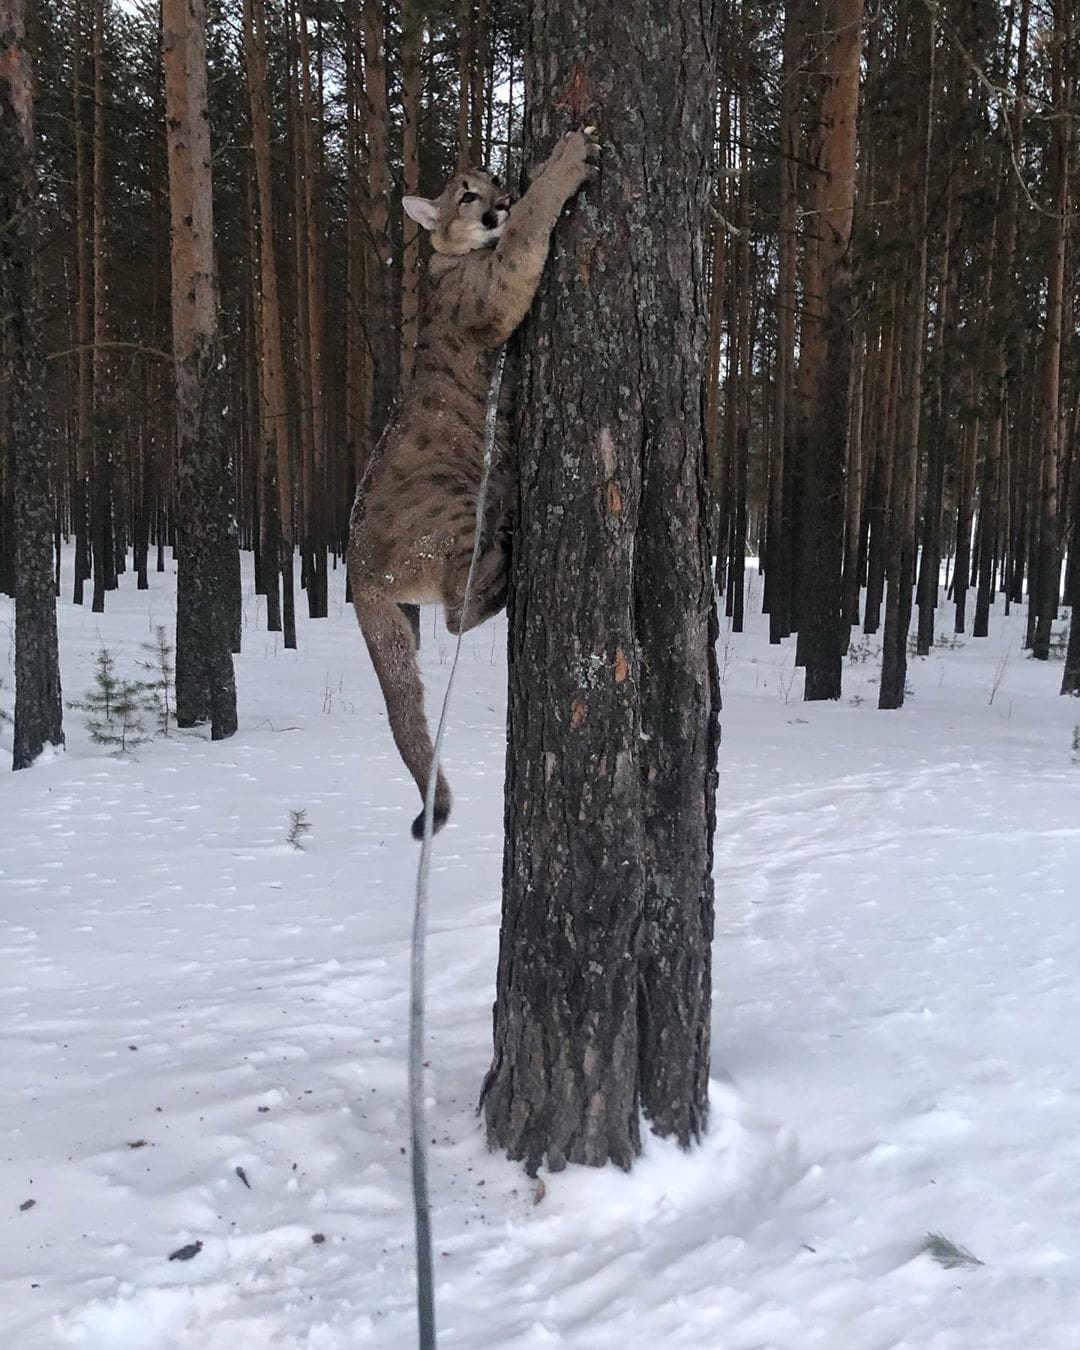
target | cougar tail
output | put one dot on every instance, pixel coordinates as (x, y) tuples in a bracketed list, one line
[(393, 653)]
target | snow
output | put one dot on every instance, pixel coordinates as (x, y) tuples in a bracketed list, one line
[(184, 994)]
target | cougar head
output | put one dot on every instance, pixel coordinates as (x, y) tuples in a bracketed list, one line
[(470, 213)]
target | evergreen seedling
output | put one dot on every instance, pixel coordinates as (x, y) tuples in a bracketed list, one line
[(160, 686), (299, 825), (948, 1254), (114, 707)]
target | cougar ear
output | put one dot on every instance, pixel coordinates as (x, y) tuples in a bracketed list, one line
[(421, 210)]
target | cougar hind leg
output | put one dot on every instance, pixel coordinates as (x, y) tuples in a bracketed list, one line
[(390, 641)]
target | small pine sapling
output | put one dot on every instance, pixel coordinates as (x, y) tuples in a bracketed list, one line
[(159, 688), (948, 1253), (129, 707), (299, 825), (1076, 743), (114, 707)]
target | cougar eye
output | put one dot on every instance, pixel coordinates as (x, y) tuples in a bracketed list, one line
[(467, 197)]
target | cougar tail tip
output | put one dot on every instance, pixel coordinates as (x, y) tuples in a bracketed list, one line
[(442, 815)]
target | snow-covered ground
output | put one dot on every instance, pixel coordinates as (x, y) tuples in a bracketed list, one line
[(185, 998)]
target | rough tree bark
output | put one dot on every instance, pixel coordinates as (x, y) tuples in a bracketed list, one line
[(603, 984), (205, 683), (38, 715)]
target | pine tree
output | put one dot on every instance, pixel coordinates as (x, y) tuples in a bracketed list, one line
[(159, 688), (603, 988), (115, 707), (38, 716), (205, 682)]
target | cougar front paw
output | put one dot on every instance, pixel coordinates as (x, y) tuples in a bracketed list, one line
[(577, 155)]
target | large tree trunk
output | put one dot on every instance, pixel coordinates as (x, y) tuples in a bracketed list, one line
[(38, 716), (603, 987), (205, 683)]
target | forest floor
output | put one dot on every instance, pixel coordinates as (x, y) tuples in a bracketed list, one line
[(204, 1027)]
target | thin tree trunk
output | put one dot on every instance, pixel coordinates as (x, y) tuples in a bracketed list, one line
[(1001, 319), (1070, 679), (965, 508), (716, 443), (358, 430), (478, 61), (299, 297), (828, 404), (1048, 588), (930, 561), (83, 430), (740, 391), (412, 80), (465, 62), (102, 422), (901, 569), (205, 684), (382, 323), (879, 503), (276, 479), (857, 471), (38, 712), (382, 307), (315, 497)]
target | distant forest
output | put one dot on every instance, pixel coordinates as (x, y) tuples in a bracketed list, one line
[(893, 368)]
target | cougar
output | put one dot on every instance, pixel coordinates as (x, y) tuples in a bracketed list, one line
[(412, 527)]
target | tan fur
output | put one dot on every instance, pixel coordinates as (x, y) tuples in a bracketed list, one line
[(412, 527)]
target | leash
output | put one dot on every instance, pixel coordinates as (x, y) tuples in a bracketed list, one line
[(425, 1278)]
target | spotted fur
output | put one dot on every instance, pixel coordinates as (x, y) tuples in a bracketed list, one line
[(413, 521)]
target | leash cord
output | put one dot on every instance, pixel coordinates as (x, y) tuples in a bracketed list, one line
[(425, 1278)]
